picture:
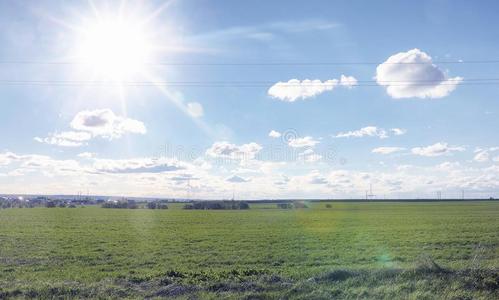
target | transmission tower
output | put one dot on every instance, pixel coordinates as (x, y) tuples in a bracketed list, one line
[(370, 195)]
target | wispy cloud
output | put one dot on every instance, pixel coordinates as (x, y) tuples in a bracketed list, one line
[(267, 31), (437, 149), (371, 131), (387, 150)]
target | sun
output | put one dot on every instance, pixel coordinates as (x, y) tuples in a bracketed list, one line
[(114, 48)]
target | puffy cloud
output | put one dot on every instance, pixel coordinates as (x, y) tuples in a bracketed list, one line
[(348, 81), (282, 181), (412, 74), (437, 149), (236, 179), (66, 138), (32, 162), (232, 151), (318, 180), (309, 156), (92, 123), (306, 141), (195, 109), (295, 89), (274, 134), (103, 122), (387, 150), (7, 158), (159, 178), (315, 177), (483, 155)]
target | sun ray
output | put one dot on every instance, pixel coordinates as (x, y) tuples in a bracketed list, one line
[(118, 46), (157, 12), (180, 105), (94, 9)]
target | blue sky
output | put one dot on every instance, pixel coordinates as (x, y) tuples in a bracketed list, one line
[(357, 125)]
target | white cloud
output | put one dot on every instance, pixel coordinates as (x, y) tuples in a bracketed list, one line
[(482, 156), (66, 138), (295, 89), (167, 177), (309, 156), (387, 150), (232, 151), (283, 180), (274, 134), (195, 109), (348, 81), (236, 179), (306, 141), (139, 165), (92, 123), (7, 158), (437, 149), (104, 123), (365, 131), (372, 131), (86, 155), (315, 177), (412, 74), (398, 131)]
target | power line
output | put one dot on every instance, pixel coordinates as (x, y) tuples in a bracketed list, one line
[(431, 81), (360, 83), (282, 63)]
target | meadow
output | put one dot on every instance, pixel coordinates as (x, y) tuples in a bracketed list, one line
[(445, 250)]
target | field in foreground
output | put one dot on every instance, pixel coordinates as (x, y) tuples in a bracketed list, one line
[(352, 250)]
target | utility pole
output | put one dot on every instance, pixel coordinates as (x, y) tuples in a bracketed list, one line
[(188, 188)]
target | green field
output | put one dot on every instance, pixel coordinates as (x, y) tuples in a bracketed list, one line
[(352, 250)]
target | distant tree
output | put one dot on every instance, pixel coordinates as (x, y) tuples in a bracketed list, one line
[(329, 205), (131, 204), (243, 205), (217, 205), (61, 204), (162, 206), (152, 205), (50, 204), (299, 204), (284, 205)]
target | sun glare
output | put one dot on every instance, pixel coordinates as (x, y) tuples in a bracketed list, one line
[(114, 48)]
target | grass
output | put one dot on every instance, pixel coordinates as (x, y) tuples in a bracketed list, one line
[(352, 250)]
